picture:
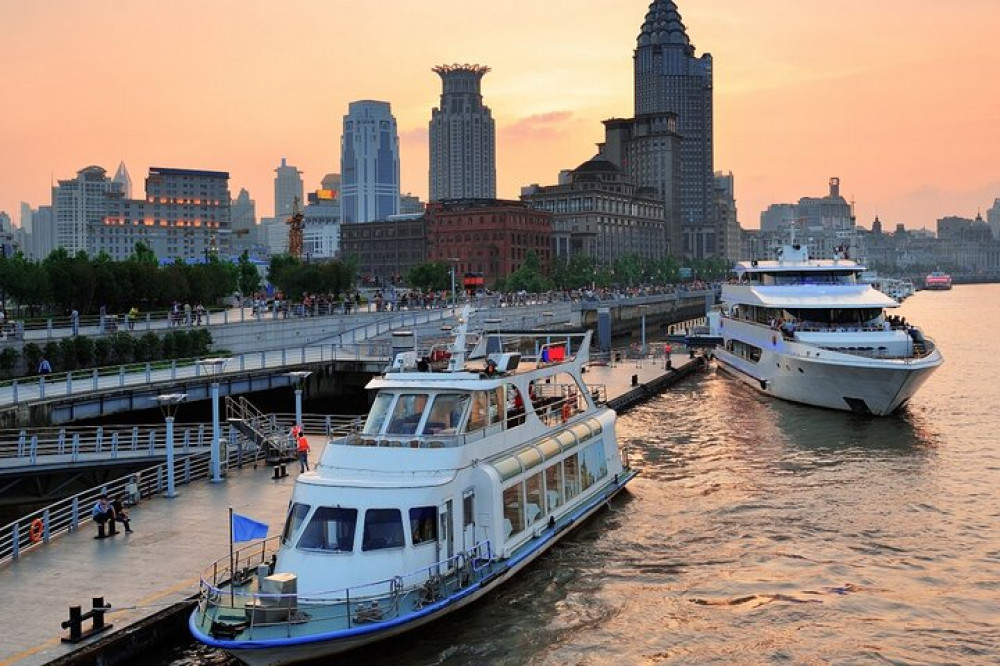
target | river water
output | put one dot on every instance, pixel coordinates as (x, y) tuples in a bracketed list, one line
[(762, 532)]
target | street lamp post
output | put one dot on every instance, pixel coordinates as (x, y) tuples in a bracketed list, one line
[(454, 294), (169, 404), (215, 366), (642, 312), (298, 377)]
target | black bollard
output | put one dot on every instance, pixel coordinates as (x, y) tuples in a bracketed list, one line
[(635, 380)]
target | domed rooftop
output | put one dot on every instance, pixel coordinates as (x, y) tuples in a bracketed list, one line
[(597, 164), (663, 25)]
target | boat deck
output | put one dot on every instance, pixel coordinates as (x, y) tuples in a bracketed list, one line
[(158, 565)]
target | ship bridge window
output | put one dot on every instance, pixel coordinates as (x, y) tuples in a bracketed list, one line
[(423, 524), (330, 529), (296, 515), (378, 413), (383, 529), (406, 415), (445, 414)]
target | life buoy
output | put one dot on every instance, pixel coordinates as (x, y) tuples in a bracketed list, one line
[(35, 530)]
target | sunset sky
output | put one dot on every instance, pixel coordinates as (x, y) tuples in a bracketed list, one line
[(898, 98)]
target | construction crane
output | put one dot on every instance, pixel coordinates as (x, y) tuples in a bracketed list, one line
[(296, 223)]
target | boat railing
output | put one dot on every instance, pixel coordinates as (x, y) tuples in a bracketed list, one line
[(920, 350), (227, 595)]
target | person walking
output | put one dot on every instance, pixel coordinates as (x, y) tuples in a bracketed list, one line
[(303, 451), (44, 367)]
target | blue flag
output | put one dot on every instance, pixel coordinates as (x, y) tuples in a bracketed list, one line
[(247, 529)]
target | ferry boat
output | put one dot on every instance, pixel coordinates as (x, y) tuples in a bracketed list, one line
[(937, 281), (810, 331), (460, 477)]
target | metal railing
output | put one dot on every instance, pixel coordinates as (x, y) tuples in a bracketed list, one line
[(345, 607), (69, 514), (106, 442)]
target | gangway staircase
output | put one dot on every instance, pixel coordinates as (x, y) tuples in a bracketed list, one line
[(258, 431)]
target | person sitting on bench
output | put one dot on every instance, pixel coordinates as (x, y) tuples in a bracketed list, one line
[(104, 513), (121, 513)]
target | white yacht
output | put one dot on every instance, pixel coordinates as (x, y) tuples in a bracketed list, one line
[(810, 331), (458, 479)]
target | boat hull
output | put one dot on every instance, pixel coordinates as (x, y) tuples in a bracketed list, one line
[(306, 647), (877, 387)]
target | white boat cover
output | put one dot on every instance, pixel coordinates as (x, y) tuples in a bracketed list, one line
[(810, 296)]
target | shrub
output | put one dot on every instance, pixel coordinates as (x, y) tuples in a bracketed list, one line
[(202, 342), (102, 351), (123, 346), (168, 345), (84, 351), (32, 354), (67, 353), (8, 359), (148, 347), (53, 352), (184, 342)]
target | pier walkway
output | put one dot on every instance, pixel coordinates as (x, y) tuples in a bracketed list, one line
[(158, 566)]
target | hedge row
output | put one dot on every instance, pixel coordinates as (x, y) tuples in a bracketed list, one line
[(121, 348)]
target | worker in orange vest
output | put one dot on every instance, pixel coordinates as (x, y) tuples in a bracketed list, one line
[(303, 450)]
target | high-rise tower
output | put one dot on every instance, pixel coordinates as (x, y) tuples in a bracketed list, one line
[(462, 137), (369, 161), (287, 189), (670, 79)]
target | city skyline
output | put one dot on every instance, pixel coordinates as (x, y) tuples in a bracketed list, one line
[(895, 99)]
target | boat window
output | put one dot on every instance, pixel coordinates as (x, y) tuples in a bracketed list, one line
[(383, 529), (557, 398), (553, 487), (296, 514), (480, 411), (513, 510), (330, 529), (515, 406), (407, 414), (571, 476), (468, 506), (423, 524), (377, 414), (446, 413), (593, 465), (533, 508)]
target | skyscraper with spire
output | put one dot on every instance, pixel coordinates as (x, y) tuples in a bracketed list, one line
[(669, 78), (462, 137)]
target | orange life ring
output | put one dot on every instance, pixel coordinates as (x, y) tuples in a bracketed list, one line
[(35, 530)]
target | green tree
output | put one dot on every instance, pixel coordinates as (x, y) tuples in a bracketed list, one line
[(248, 277), (528, 277), (433, 275), (67, 354)]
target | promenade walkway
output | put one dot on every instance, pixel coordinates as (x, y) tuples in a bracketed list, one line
[(174, 540)]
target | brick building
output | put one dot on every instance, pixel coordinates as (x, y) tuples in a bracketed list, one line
[(488, 236)]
